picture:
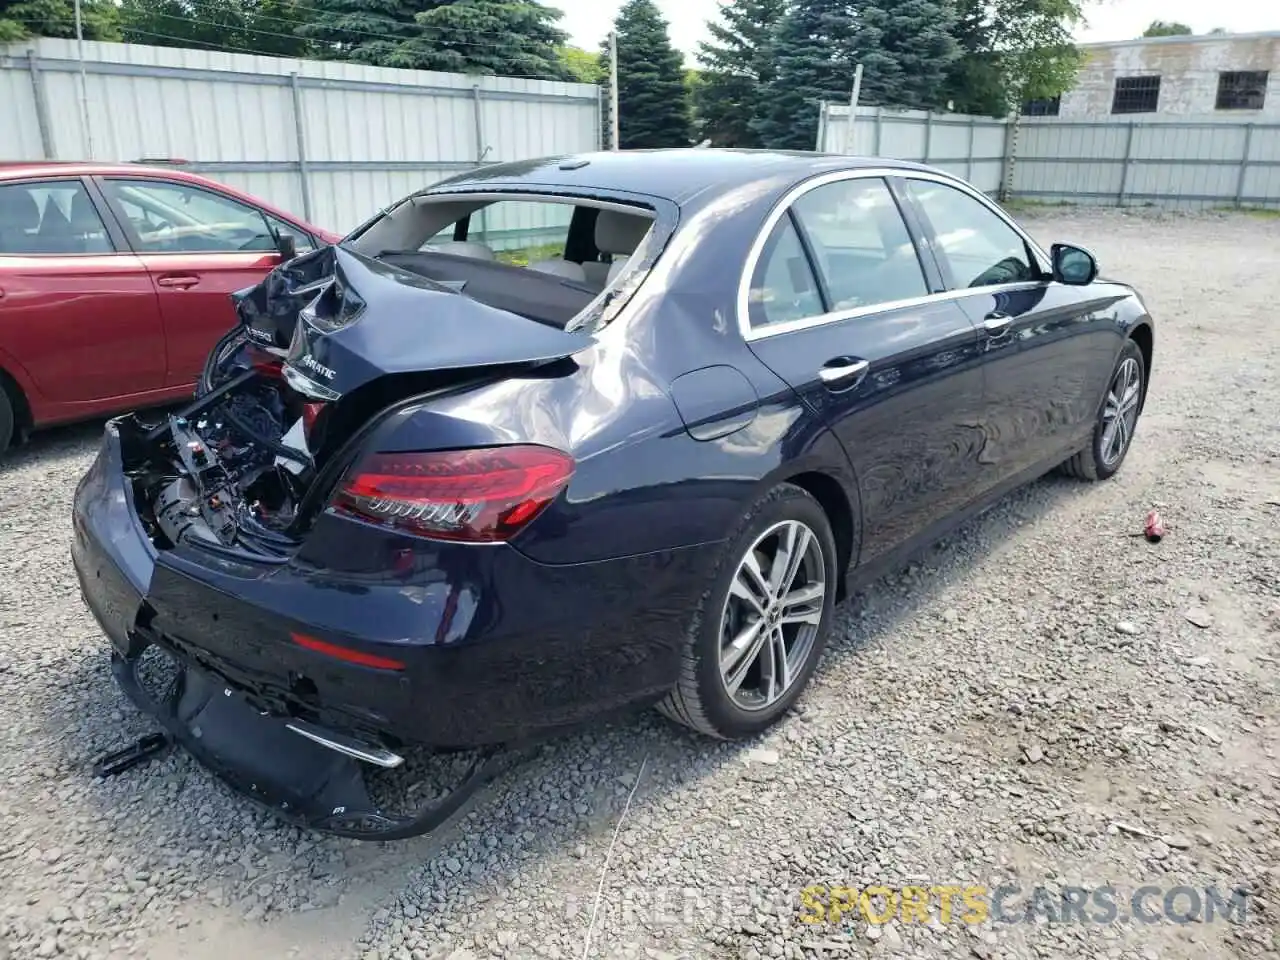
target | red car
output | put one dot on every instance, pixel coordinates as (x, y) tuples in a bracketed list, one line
[(114, 283)]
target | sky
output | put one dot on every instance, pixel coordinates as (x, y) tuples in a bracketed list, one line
[(588, 21)]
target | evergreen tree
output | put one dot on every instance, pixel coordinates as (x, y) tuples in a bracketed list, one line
[(256, 26), (510, 38), (739, 67), (812, 64), (904, 46), (653, 102), (366, 31), (19, 19)]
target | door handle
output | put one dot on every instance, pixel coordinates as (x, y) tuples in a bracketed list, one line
[(180, 281), (996, 323), (837, 371)]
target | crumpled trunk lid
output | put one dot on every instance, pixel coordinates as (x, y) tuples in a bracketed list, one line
[(342, 320)]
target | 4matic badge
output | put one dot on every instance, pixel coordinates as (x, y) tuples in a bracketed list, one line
[(315, 366)]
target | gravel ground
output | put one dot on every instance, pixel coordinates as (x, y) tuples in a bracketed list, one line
[(1042, 700)]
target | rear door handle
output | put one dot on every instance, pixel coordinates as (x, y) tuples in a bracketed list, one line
[(996, 323), (840, 371), (180, 281)]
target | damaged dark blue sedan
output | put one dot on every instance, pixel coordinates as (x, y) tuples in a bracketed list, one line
[(557, 438)]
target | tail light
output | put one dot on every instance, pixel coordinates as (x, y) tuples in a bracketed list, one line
[(479, 496), (310, 414)]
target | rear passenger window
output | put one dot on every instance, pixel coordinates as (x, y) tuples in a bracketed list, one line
[(52, 217), (861, 244), (784, 287)]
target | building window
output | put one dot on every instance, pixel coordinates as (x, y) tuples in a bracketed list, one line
[(1045, 107), (1136, 95), (1242, 90)]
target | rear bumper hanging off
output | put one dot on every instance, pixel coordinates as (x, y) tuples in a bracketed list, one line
[(290, 772)]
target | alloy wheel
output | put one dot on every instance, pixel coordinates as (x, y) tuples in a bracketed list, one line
[(772, 615), (1120, 412)]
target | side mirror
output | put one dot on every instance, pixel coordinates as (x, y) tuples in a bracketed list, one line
[(287, 244), (1073, 265)]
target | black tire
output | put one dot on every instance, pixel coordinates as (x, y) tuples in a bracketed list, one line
[(6, 419), (1093, 463), (700, 699)]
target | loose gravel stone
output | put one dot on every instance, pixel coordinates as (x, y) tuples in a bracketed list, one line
[(1041, 625)]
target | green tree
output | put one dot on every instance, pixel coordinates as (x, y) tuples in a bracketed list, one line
[(582, 64), (510, 38), (19, 19), (904, 46), (1167, 28), (738, 69), (653, 102), (258, 26), (366, 31), (1012, 51)]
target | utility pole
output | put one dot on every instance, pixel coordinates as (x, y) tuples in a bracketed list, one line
[(851, 139), (613, 89), (84, 85)]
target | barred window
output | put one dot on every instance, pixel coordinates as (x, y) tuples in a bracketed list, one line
[(1044, 107), (1136, 94), (1242, 90)]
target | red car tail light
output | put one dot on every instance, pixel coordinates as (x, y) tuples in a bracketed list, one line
[(480, 496), (346, 654)]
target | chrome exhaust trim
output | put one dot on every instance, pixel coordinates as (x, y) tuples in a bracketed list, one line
[(378, 756)]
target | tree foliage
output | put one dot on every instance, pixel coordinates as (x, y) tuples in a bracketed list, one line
[(511, 38), (653, 102), (904, 46), (19, 19), (582, 64), (366, 31), (1167, 28), (258, 26), (729, 98), (1012, 51)]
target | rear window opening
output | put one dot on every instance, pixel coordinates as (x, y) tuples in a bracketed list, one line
[(545, 257)]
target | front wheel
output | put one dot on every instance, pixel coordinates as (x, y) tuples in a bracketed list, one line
[(1117, 420), (763, 623)]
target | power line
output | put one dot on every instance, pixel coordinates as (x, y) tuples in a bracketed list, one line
[(226, 46)]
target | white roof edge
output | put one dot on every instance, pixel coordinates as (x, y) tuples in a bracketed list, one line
[(1184, 38)]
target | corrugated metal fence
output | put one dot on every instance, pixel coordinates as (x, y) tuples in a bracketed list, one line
[(1184, 162), (333, 142)]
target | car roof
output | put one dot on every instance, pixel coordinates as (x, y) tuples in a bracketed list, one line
[(27, 169), (677, 175), (15, 169)]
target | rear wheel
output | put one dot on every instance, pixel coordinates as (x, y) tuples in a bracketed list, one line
[(763, 623), (6, 420), (1117, 420)]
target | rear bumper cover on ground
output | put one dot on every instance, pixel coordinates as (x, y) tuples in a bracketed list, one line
[(497, 649)]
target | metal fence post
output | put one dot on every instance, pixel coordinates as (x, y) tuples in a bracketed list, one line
[(1124, 170), (879, 129), (42, 106), (968, 160), (1244, 163), (599, 117), (928, 135), (821, 145), (300, 132), (478, 110), (1011, 129)]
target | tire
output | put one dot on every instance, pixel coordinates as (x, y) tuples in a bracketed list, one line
[(6, 420), (1101, 459), (701, 698)]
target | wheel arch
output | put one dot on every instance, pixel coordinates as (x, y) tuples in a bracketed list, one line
[(834, 501), (1142, 334)]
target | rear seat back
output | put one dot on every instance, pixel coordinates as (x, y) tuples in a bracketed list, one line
[(618, 234)]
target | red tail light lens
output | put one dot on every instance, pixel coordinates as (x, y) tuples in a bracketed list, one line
[(310, 414), (479, 496)]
